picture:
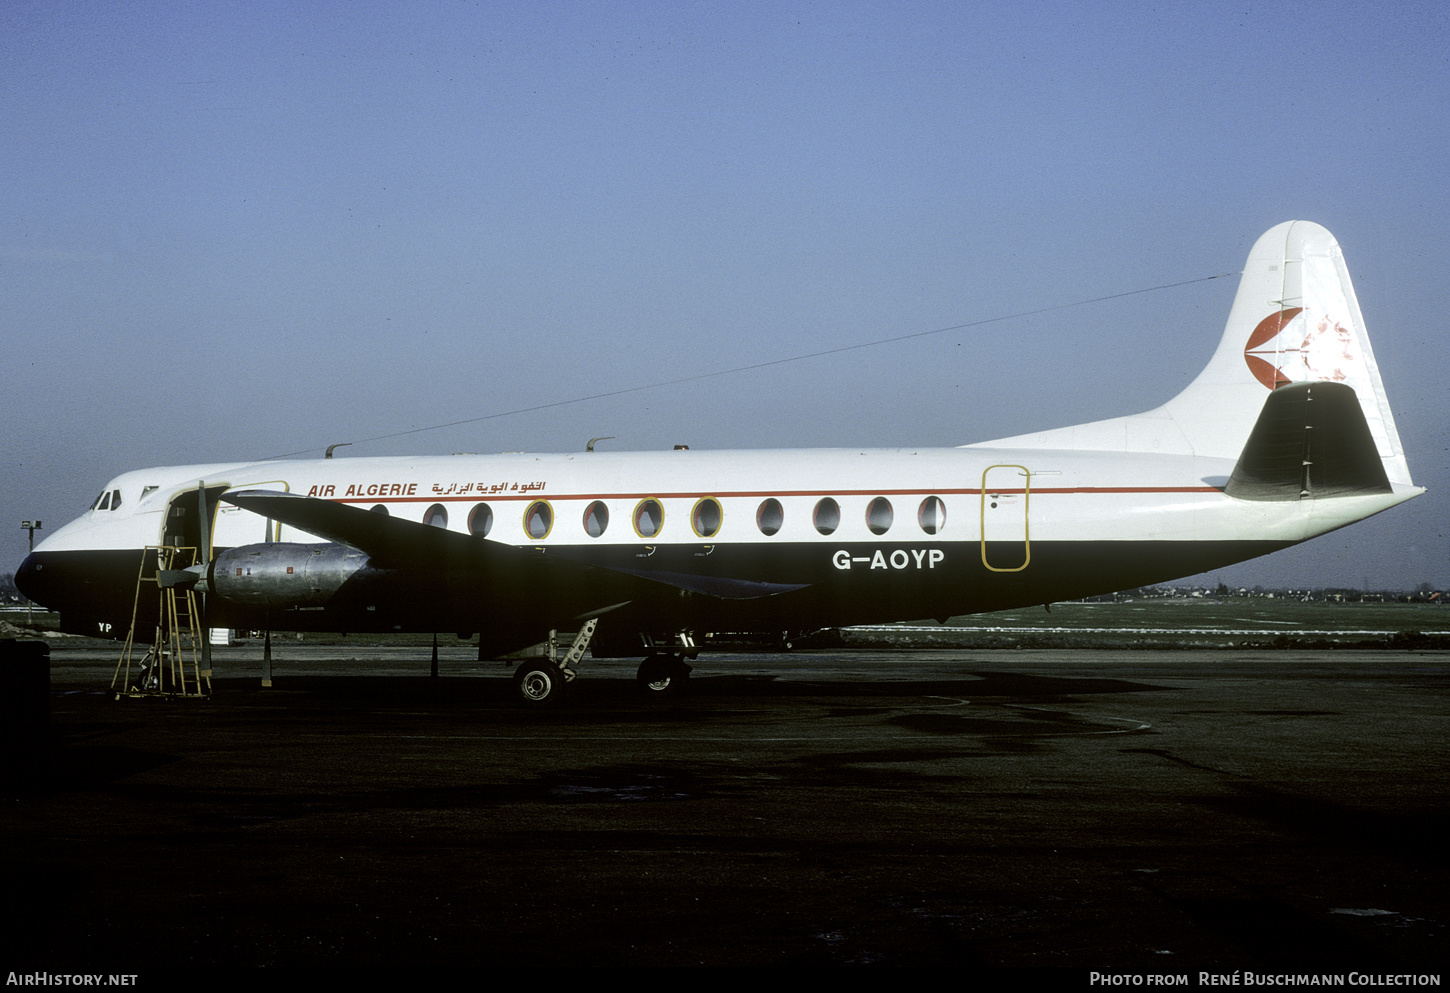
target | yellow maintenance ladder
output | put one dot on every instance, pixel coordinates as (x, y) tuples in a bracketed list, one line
[(163, 671)]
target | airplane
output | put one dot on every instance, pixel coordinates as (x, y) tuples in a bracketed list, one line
[(1285, 435)]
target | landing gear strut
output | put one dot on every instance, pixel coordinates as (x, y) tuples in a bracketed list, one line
[(540, 681)]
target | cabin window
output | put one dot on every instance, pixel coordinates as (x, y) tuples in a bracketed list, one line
[(480, 520), (706, 517), (539, 519), (933, 515), (769, 517), (879, 515), (596, 519), (827, 516), (436, 516), (379, 508), (649, 517)]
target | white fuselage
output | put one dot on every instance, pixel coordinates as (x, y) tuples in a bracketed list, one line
[(1041, 496)]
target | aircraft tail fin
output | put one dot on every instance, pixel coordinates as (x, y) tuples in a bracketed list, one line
[(1295, 320)]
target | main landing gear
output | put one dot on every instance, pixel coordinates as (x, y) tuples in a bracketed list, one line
[(663, 674), (540, 681)]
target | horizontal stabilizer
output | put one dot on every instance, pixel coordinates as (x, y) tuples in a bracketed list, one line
[(1311, 440)]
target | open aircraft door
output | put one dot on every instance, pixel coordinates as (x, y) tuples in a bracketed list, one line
[(189, 519), (219, 525), (1006, 499)]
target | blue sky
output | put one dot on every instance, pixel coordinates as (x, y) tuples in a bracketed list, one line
[(237, 230)]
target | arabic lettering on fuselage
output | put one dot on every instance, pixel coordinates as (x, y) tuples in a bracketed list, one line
[(482, 489)]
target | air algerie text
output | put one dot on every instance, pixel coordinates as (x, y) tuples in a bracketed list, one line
[(367, 489)]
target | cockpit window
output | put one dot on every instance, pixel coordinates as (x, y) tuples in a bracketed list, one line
[(96, 503), (105, 503), (115, 499)]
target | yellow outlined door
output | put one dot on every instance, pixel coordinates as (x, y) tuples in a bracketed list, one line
[(1006, 496), (233, 526)]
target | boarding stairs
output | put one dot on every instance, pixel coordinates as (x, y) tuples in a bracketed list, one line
[(171, 667)]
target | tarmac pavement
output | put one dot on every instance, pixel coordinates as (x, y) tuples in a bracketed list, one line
[(1114, 811)]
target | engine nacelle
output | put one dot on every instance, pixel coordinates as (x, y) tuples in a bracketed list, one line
[(284, 575)]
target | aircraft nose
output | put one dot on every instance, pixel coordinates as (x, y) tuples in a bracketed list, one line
[(30, 578)]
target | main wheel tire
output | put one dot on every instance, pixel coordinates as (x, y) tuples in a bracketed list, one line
[(663, 675), (539, 683)]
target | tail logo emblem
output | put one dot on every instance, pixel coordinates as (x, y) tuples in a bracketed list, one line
[(1286, 348)]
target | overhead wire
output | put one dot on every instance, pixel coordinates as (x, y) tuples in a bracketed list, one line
[(624, 391)]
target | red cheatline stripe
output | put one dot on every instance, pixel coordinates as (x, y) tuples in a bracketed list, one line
[(695, 495)]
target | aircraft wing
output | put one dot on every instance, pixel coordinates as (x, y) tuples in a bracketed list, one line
[(717, 586), (392, 543), (395, 543)]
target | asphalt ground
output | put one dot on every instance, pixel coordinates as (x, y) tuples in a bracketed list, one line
[(1110, 811)]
